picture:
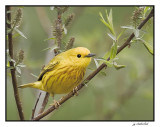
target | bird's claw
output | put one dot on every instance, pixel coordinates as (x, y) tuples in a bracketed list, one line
[(55, 103)]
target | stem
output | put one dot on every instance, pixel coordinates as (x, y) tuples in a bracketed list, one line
[(45, 101), (34, 109), (71, 94), (13, 74)]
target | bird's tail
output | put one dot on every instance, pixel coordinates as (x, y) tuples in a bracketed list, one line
[(32, 85), (26, 85)]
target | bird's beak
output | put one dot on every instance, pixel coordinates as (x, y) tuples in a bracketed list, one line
[(90, 55)]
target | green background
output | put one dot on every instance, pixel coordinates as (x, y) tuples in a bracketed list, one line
[(110, 97)]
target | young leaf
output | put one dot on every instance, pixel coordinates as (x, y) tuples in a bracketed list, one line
[(127, 27), (103, 73), (136, 32), (21, 65), (107, 25), (145, 11), (54, 47), (46, 49), (109, 63), (18, 70), (105, 57), (97, 65), (120, 34), (118, 66), (18, 31), (34, 75), (110, 19), (10, 67), (113, 51), (112, 36), (52, 38), (65, 30), (148, 47)]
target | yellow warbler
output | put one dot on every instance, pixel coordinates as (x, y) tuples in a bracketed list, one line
[(64, 72)]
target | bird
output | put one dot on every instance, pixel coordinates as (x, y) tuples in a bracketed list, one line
[(64, 72)]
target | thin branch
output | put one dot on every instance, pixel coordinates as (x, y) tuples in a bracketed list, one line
[(13, 74), (34, 109), (72, 93), (45, 101), (58, 31), (46, 27)]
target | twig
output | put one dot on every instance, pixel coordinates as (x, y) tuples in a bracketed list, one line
[(45, 101), (71, 94), (34, 109), (13, 74), (58, 35)]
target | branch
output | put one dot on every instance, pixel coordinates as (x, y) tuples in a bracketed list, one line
[(34, 109), (44, 103), (13, 74), (46, 27), (72, 93)]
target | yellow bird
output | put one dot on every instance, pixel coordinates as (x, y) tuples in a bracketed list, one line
[(64, 72)]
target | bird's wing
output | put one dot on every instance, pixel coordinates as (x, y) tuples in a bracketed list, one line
[(48, 68)]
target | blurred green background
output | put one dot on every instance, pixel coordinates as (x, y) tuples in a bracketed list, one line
[(126, 94)]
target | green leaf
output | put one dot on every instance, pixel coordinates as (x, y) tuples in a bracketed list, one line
[(21, 65), (46, 49), (121, 34), (105, 57), (103, 73), (113, 51), (9, 12), (10, 67), (16, 35), (128, 27), (148, 47), (118, 66), (90, 68), (54, 47), (112, 36), (145, 10), (18, 31), (136, 32), (52, 38), (64, 29), (97, 65), (110, 16), (34, 75), (109, 63), (18, 70), (108, 24), (13, 60)]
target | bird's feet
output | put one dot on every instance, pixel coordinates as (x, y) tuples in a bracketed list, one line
[(75, 91), (55, 103)]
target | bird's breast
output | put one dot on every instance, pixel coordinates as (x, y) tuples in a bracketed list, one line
[(63, 79)]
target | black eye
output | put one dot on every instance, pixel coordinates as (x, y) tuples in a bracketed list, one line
[(79, 55)]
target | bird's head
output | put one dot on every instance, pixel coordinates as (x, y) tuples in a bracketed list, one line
[(79, 56)]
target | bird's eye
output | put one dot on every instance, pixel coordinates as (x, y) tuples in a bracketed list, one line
[(79, 55)]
